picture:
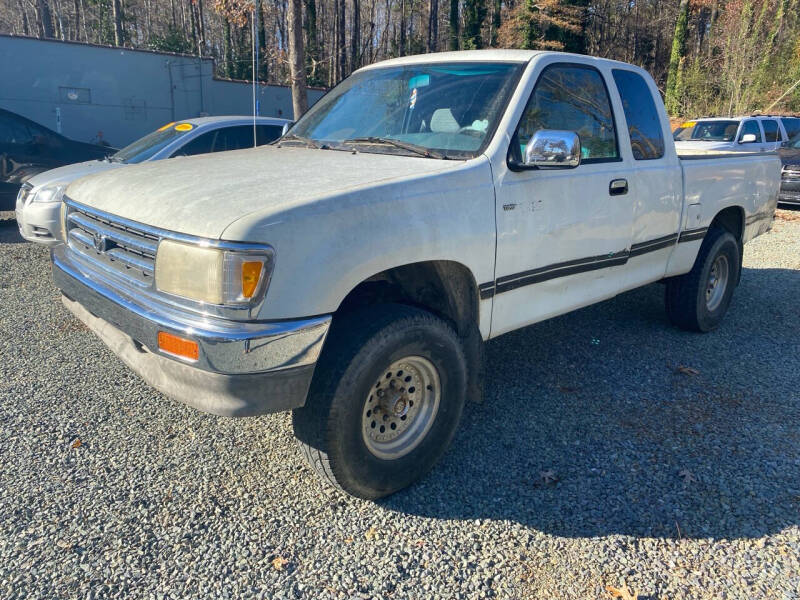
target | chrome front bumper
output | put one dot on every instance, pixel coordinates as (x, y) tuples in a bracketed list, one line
[(243, 368)]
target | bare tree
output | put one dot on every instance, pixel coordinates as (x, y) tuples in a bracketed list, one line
[(297, 58)]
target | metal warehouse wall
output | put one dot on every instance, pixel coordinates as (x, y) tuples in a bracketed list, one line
[(87, 91)]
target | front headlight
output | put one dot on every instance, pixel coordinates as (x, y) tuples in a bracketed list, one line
[(23, 193), (213, 275), (49, 193)]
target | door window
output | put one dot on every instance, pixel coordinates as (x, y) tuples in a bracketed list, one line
[(751, 127), (791, 125), (13, 131), (202, 144), (234, 138), (771, 133), (644, 124), (267, 133), (571, 97)]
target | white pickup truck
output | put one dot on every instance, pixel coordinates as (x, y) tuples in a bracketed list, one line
[(352, 271)]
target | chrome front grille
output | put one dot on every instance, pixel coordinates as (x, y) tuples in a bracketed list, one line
[(117, 247)]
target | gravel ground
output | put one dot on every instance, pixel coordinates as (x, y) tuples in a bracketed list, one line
[(596, 460)]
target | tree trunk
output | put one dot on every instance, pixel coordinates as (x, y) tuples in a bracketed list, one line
[(45, 20), (402, 44), (341, 52), (201, 29), (228, 49), (297, 66), (433, 25), (672, 96), (453, 25), (25, 27), (355, 40), (116, 11)]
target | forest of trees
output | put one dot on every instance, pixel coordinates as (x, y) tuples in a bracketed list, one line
[(707, 56)]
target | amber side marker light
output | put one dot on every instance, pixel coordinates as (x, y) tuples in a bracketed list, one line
[(251, 273), (178, 346)]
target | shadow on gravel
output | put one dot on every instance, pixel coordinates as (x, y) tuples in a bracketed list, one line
[(9, 232), (639, 446)]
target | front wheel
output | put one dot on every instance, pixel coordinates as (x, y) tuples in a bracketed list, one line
[(699, 300), (385, 401)]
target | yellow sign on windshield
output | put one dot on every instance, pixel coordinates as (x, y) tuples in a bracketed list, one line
[(183, 127), (689, 124), (167, 126)]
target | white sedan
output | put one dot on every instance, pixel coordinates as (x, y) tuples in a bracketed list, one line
[(38, 202)]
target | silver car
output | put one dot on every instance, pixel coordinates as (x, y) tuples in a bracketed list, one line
[(39, 199)]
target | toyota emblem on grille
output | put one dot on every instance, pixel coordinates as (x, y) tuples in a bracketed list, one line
[(100, 242)]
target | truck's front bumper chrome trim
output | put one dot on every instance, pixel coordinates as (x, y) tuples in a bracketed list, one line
[(226, 347)]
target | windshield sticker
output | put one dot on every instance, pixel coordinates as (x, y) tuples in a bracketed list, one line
[(413, 101), (184, 127), (167, 126), (689, 124)]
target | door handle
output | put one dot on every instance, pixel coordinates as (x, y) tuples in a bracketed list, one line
[(618, 187)]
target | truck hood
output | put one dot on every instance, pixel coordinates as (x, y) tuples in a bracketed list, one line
[(69, 173), (202, 195)]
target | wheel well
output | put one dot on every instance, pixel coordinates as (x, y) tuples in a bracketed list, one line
[(732, 220), (445, 288)]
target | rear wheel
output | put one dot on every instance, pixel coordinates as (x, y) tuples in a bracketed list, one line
[(385, 401), (699, 300)]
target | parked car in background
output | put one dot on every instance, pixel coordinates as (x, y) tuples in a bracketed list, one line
[(756, 133), (433, 202), (38, 199), (790, 173), (27, 148)]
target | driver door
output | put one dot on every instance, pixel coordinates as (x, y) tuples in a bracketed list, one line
[(562, 234)]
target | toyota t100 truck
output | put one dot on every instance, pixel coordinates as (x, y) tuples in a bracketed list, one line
[(352, 271)]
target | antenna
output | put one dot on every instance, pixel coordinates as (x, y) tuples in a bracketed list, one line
[(254, 38)]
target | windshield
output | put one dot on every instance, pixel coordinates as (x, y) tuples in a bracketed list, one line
[(145, 147), (447, 109), (794, 142), (706, 131)]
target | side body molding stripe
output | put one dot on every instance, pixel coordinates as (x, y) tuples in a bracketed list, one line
[(583, 265)]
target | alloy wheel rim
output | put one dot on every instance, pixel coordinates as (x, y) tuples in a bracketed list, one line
[(401, 407)]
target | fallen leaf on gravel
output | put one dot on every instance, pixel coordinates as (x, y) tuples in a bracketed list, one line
[(548, 477), (687, 476), (371, 534), (77, 443), (348, 540), (279, 562), (624, 592), (687, 370)]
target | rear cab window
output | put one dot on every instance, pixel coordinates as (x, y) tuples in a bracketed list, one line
[(641, 115), (570, 97)]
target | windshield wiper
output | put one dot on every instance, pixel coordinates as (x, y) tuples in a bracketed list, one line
[(416, 149), (308, 142)]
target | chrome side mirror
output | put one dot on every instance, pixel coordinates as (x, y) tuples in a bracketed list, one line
[(748, 138), (553, 148)]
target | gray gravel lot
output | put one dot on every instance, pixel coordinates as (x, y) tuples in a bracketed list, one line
[(683, 484)]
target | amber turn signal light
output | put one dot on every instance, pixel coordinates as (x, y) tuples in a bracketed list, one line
[(251, 273), (178, 346)]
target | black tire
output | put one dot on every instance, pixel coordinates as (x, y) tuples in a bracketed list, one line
[(360, 348), (685, 296)]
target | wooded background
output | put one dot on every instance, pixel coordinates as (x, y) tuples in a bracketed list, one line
[(707, 56)]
